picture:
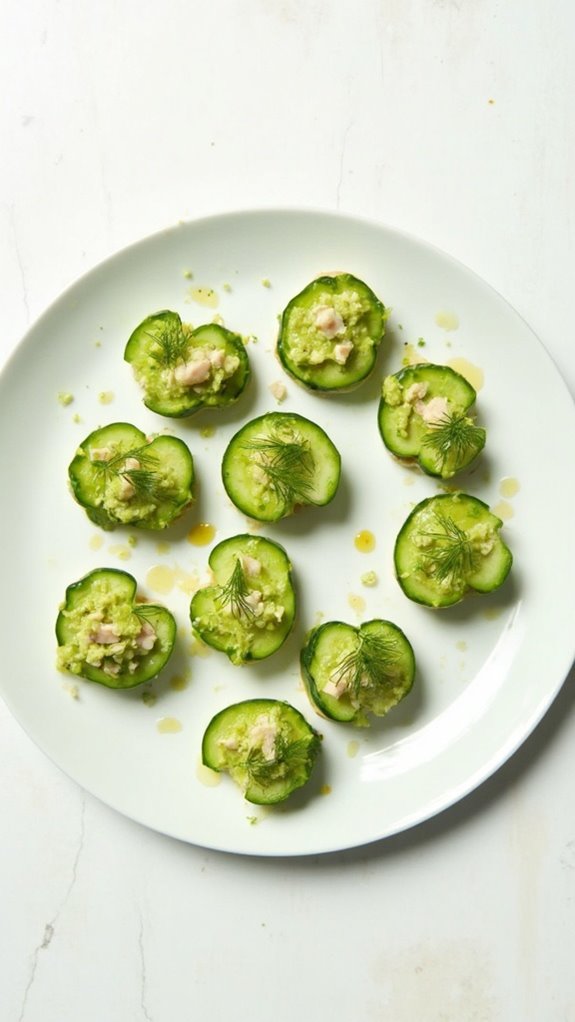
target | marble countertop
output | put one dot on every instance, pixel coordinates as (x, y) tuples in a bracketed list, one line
[(449, 120)]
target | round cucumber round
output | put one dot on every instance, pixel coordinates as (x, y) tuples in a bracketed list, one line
[(248, 611), (123, 477), (448, 546), (106, 636), (423, 418), (278, 462), (182, 370), (330, 332), (266, 746), (351, 672)]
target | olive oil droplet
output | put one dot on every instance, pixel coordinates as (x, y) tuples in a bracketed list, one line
[(168, 725), (201, 534), (364, 541)]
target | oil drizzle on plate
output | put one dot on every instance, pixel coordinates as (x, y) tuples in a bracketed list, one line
[(201, 534), (168, 725), (364, 541), (472, 373)]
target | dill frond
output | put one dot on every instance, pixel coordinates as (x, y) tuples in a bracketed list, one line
[(454, 437), (287, 464), (169, 344), (452, 556), (233, 594), (371, 660)]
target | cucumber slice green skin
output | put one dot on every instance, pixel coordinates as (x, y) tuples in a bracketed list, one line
[(124, 586), (267, 446), (162, 342), (417, 442), (220, 614), (437, 560), (162, 500), (263, 780), (332, 651), (329, 376)]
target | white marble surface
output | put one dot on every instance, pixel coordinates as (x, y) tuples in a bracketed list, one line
[(452, 120)]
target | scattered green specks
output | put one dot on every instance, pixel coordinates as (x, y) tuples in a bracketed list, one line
[(65, 398)]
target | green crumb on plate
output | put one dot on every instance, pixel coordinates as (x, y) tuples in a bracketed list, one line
[(65, 398), (266, 282), (369, 578)]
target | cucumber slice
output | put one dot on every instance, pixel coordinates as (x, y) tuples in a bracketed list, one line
[(423, 418), (350, 672), (330, 332), (182, 370), (449, 545), (277, 463), (266, 746), (122, 477), (249, 610), (106, 636)]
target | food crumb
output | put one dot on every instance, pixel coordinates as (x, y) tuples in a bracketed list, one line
[(188, 275), (325, 789), (76, 418), (490, 102), (207, 431), (65, 398), (369, 579), (252, 820), (149, 698), (72, 690), (420, 342), (249, 339), (226, 287), (266, 282), (105, 397), (218, 320), (352, 749), (278, 390)]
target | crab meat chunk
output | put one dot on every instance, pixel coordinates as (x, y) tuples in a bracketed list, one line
[(416, 392), (263, 734), (105, 634), (329, 322), (432, 411), (147, 637), (251, 566), (342, 351), (189, 374)]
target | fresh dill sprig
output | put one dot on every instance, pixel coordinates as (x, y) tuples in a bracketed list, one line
[(371, 660), (170, 344), (287, 464), (289, 757), (454, 437), (233, 594), (146, 482), (451, 556)]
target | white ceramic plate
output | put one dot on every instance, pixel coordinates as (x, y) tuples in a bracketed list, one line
[(487, 669)]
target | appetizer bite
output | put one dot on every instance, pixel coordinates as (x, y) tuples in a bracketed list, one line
[(182, 370), (120, 476), (423, 419), (448, 546), (330, 332), (352, 672), (104, 635), (265, 745), (278, 462), (248, 611)]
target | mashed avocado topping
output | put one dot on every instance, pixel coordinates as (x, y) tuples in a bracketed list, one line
[(331, 329)]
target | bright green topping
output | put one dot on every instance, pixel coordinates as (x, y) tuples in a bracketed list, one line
[(263, 751), (392, 391), (341, 317), (108, 633), (133, 482)]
